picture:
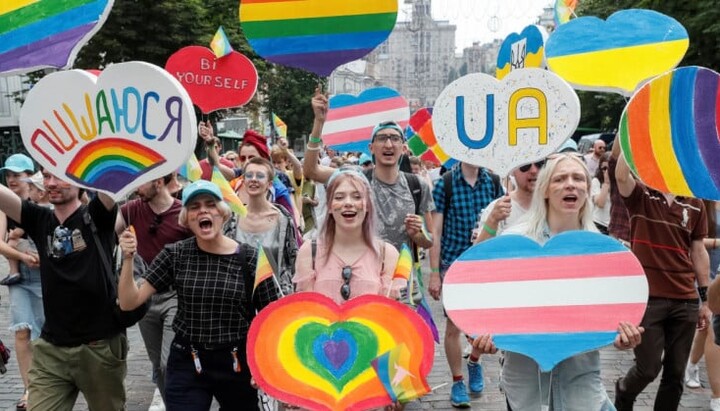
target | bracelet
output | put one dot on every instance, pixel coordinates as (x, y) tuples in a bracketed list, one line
[(317, 148), (314, 139), (702, 292), (435, 270), (489, 230)]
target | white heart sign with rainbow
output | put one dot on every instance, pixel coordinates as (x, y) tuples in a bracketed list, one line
[(112, 133)]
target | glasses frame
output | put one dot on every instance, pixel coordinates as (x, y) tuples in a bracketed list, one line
[(525, 168)]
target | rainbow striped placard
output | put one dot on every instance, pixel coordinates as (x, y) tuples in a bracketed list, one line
[(46, 33), (548, 303), (422, 142), (350, 119), (316, 35), (670, 133), (306, 350)]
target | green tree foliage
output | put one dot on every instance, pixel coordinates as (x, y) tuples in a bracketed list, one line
[(701, 19)]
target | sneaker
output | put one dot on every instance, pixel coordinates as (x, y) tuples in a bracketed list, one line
[(475, 377), (459, 397), (11, 279), (714, 404), (692, 375)]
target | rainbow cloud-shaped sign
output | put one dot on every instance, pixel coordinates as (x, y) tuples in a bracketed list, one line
[(36, 34), (616, 55), (132, 124)]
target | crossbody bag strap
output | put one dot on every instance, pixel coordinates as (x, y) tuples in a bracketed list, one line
[(107, 268)]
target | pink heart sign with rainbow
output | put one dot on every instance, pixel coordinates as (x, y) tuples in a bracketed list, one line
[(113, 132), (548, 303)]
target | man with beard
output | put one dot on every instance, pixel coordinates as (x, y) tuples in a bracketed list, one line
[(154, 215)]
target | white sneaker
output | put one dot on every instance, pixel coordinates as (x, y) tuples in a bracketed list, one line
[(714, 404), (692, 376)]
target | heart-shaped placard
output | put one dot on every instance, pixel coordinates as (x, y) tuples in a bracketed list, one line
[(230, 81), (670, 133), (548, 303), (113, 132), (504, 124), (524, 50), (351, 119), (618, 54), (316, 35), (308, 351), (39, 34)]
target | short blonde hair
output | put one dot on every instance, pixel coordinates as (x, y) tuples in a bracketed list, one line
[(222, 206)]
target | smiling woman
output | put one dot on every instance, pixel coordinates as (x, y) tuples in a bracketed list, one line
[(212, 275)]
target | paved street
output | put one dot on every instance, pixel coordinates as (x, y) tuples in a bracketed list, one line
[(140, 388)]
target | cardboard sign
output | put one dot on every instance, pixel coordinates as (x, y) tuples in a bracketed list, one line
[(113, 132), (422, 142), (316, 35), (524, 50), (39, 34), (306, 350), (669, 133), (548, 303), (351, 120), (616, 55), (213, 84), (504, 124)]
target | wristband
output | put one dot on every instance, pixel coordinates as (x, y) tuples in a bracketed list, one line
[(316, 140), (489, 230), (702, 292), (317, 148), (435, 270)]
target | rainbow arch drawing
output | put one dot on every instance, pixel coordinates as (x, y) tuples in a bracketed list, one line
[(110, 164)]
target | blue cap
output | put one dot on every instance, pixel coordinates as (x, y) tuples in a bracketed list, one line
[(19, 163), (200, 187), (569, 145), (364, 158)]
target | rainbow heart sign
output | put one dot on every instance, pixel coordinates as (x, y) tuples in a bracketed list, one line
[(616, 55), (547, 303), (316, 35), (421, 139), (113, 132), (37, 34), (670, 133), (351, 120), (522, 50), (230, 81), (308, 351), (503, 124)]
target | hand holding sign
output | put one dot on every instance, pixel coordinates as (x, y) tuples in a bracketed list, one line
[(132, 124), (503, 124)]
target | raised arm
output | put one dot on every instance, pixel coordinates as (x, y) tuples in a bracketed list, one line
[(10, 204), (205, 131), (130, 296), (311, 167)]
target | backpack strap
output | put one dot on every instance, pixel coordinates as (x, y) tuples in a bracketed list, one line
[(415, 190), (313, 251), (249, 279), (447, 186), (496, 184), (369, 174), (382, 257)]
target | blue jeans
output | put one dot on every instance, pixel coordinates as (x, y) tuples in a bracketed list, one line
[(186, 390), (26, 304)]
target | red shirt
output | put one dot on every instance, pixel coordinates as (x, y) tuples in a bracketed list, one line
[(153, 231)]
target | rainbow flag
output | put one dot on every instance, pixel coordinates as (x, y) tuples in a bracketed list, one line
[(220, 44), (279, 126), (404, 264), (263, 269), (228, 194), (191, 170), (401, 383)]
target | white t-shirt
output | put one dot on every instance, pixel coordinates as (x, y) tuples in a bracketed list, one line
[(600, 215), (517, 215)]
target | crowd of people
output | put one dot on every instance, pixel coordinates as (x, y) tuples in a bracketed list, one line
[(333, 224)]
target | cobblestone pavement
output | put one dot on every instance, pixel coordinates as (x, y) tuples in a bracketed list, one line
[(140, 388)]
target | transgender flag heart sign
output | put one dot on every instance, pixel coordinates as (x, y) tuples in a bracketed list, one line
[(548, 303)]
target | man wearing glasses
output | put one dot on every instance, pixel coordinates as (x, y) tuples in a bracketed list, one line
[(154, 215), (82, 347)]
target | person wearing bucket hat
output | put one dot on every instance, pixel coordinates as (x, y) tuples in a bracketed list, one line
[(213, 275)]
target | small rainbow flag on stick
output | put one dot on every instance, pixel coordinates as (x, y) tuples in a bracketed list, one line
[(279, 125), (220, 44), (403, 269), (400, 381), (228, 194), (191, 170), (263, 269)]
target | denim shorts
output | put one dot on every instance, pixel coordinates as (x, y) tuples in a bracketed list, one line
[(26, 304)]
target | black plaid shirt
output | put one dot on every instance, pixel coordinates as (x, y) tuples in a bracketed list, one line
[(212, 293)]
